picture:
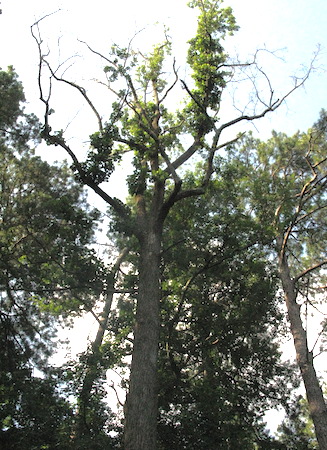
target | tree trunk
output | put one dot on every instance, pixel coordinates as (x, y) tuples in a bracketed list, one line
[(141, 403), (316, 402), (82, 425)]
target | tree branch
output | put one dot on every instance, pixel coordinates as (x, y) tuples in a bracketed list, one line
[(309, 270), (82, 91), (186, 155)]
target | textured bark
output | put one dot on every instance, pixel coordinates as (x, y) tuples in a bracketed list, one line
[(142, 404), (316, 402)]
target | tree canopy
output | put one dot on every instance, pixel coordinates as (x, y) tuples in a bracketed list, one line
[(198, 286), (48, 272)]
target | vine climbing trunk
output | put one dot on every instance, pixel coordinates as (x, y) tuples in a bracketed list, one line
[(316, 402)]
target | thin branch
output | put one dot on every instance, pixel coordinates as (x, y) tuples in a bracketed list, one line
[(72, 288), (309, 270), (273, 105), (138, 110), (112, 385), (310, 213), (173, 84), (203, 109), (81, 90)]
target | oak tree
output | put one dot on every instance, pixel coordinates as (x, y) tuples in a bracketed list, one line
[(163, 142)]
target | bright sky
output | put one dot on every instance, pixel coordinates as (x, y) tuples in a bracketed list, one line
[(295, 27)]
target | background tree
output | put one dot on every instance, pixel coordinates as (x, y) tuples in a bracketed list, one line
[(47, 272), (219, 363), (287, 187), (91, 420), (297, 431), (162, 143)]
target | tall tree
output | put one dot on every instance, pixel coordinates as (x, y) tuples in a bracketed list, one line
[(47, 271), (163, 143), (97, 360), (220, 320), (287, 181)]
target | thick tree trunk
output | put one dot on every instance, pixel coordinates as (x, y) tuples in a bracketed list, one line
[(141, 404), (316, 402)]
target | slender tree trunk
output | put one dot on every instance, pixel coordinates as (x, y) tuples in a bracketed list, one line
[(141, 404), (316, 402), (82, 425)]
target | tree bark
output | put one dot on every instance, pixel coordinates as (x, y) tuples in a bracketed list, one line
[(316, 402), (142, 403)]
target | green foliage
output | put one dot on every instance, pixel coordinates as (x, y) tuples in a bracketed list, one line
[(285, 179), (285, 186), (206, 55), (33, 415), (208, 60), (47, 271), (151, 71), (219, 367), (93, 419), (121, 64), (44, 231), (296, 431), (99, 164), (219, 363), (140, 121), (12, 96), (16, 127)]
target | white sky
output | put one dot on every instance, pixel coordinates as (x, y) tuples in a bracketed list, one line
[(296, 26)]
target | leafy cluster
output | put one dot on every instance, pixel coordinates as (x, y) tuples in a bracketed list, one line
[(101, 159), (219, 363), (207, 60)]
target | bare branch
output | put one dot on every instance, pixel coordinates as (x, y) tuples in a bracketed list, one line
[(112, 385), (173, 84), (203, 109), (81, 90)]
